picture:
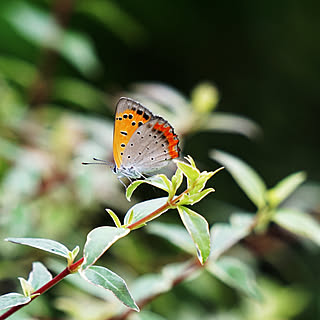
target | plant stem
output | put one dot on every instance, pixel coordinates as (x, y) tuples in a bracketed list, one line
[(169, 204), (70, 269)]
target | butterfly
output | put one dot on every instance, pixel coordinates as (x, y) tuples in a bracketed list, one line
[(142, 142)]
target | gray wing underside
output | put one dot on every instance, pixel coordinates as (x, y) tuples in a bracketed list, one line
[(147, 150)]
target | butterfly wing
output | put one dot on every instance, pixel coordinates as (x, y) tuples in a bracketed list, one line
[(130, 115), (151, 146)]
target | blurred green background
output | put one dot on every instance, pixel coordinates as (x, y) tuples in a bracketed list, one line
[(64, 64)]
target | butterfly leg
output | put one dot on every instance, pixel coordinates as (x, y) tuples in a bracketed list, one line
[(122, 182)]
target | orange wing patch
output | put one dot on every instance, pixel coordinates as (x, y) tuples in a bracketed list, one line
[(126, 123), (171, 137)]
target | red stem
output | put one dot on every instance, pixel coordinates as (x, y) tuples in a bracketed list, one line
[(70, 269), (153, 214), (73, 268)]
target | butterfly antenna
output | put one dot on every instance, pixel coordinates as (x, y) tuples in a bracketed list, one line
[(100, 162)]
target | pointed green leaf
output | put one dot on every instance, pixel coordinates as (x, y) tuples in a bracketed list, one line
[(236, 274), (242, 220), (102, 277), (51, 246), (12, 299), (198, 229), (39, 276), (72, 255), (40, 28), (224, 236), (176, 234), (78, 49), (191, 173), (298, 222), (176, 181), (191, 161), (98, 241), (149, 285), (159, 181), (201, 182), (114, 218), (26, 287), (248, 179), (224, 122), (194, 198), (143, 209), (285, 187)]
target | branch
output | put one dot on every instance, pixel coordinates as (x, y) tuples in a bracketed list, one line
[(68, 270)]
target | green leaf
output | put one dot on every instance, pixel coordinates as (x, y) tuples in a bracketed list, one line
[(201, 181), (98, 241), (143, 209), (194, 198), (236, 274), (78, 49), (242, 220), (72, 255), (191, 173), (159, 181), (51, 246), (149, 285), (231, 123), (33, 24), (198, 229), (12, 299), (39, 276), (224, 236), (285, 187), (298, 222), (78, 92), (38, 27), (18, 71), (26, 287), (102, 277), (191, 161), (176, 234), (114, 218), (248, 179), (115, 18), (176, 181)]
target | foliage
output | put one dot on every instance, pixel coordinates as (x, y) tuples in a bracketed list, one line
[(63, 65)]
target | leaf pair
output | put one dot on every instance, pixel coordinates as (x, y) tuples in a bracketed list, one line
[(229, 270), (38, 277), (195, 224), (268, 201)]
